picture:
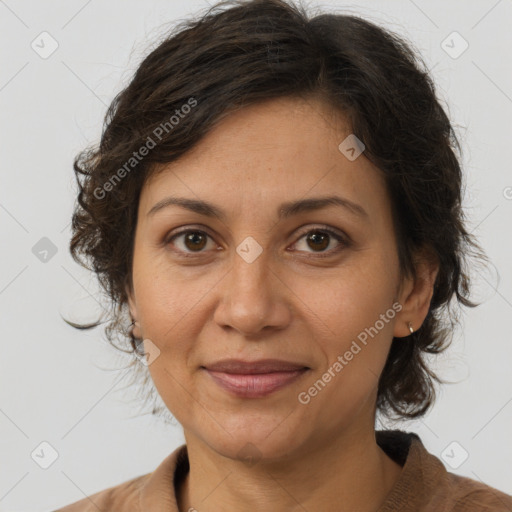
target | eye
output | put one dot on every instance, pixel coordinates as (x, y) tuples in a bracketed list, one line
[(193, 241), (319, 239)]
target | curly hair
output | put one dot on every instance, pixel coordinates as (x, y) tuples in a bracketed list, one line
[(256, 50)]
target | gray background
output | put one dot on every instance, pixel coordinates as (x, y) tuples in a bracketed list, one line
[(59, 385)]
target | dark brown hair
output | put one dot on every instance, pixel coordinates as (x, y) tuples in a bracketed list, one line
[(239, 53)]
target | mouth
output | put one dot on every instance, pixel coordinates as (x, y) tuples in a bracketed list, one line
[(254, 379)]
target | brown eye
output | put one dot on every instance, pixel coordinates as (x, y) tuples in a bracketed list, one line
[(318, 240), (195, 240), (189, 242)]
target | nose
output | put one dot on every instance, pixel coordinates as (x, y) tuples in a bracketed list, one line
[(254, 298)]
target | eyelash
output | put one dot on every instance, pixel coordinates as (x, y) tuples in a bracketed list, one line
[(343, 240)]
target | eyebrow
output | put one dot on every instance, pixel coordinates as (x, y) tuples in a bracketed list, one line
[(286, 210)]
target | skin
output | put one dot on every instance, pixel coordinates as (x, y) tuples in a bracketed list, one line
[(289, 303)]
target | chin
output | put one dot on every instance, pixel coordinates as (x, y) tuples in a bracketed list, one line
[(251, 441)]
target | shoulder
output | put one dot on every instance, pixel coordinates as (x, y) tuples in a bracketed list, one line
[(425, 484), (121, 498), (152, 491), (457, 493), (469, 494)]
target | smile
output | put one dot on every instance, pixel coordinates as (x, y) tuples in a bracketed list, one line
[(255, 385)]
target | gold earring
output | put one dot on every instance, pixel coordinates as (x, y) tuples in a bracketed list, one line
[(410, 327)]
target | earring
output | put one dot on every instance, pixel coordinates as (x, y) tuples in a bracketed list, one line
[(410, 327)]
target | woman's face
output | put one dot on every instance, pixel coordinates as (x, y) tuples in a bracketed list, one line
[(257, 282)]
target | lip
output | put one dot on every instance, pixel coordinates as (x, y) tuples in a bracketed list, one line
[(259, 366), (254, 379)]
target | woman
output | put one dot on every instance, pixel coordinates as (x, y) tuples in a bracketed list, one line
[(276, 202)]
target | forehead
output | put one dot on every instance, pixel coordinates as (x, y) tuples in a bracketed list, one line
[(264, 154)]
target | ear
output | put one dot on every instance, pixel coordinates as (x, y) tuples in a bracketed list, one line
[(415, 294), (133, 310)]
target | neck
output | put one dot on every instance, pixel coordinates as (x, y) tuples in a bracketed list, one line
[(345, 474)]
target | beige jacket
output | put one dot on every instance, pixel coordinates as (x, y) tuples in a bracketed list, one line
[(424, 485)]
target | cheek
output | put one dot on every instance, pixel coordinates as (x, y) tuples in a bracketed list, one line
[(163, 321), (169, 319), (355, 331), (351, 299), (345, 387), (167, 299)]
